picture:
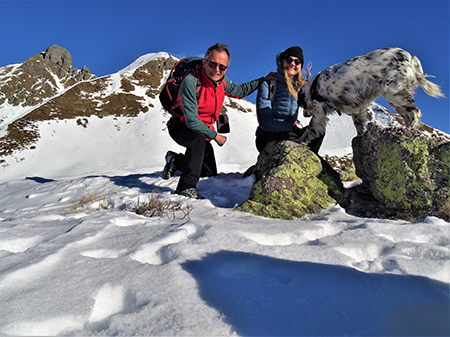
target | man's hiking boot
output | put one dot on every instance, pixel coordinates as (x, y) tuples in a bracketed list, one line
[(189, 193), (169, 168)]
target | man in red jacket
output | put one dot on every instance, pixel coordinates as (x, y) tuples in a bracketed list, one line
[(196, 130)]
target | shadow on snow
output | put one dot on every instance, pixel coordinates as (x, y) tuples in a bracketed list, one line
[(260, 295), (226, 190)]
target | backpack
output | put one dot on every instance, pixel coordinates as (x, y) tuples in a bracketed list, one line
[(169, 96)]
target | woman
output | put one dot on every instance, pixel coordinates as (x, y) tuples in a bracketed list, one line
[(277, 116)]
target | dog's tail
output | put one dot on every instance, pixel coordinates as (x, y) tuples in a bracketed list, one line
[(429, 87)]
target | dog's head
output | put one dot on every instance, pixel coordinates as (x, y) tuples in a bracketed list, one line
[(304, 101), (307, 95), (301, 99)]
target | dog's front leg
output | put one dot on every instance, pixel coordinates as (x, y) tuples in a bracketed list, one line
[(317, 125), (360, 121)]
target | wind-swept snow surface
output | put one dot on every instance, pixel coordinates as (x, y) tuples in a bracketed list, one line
[(76, 260), (95, 267)]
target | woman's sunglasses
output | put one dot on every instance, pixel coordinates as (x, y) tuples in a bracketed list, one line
[(290, 59), (215, 64)]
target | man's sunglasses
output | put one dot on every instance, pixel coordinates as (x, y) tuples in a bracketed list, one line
[(290, 59), (215, 64)]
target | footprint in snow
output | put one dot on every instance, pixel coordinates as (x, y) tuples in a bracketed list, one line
[(20, 245), (109, 301), (286, 238), (50, 327), (36, 195), (104, 253), (161, 251), (32, 272)]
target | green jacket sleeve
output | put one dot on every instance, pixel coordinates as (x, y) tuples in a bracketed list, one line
[(242, 90), (188, 95)]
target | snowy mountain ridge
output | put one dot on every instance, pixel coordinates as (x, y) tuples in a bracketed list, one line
[(142, 60)]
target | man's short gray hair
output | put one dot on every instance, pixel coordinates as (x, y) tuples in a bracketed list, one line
[(219, 47)]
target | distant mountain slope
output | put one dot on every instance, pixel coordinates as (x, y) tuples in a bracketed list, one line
[(122, 94), (26, 85), (81, 124)]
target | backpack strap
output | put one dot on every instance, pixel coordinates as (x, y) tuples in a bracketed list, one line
[(199, 80), (272, 89), (177, 109)]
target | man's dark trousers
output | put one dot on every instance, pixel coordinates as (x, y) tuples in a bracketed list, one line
[(198, 160)]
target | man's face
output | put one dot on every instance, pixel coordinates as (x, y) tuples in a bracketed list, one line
[(216, 66)]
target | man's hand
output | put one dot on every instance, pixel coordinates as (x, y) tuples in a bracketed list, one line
[(220, 140), (270, 76)]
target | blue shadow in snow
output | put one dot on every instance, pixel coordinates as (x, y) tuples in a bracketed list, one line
[(263, 296), (136, 181), (211, 188), (39, 180), (226, 190)]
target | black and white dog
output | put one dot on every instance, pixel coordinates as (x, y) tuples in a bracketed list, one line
[(350, 86)]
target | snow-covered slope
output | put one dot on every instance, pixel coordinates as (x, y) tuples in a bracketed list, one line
[(128, 144), (76, 260)]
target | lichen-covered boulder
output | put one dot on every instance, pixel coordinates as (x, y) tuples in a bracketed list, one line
[(404, 169), (291, 181), (440, 168)]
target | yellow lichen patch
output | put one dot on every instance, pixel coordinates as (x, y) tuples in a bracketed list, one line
[(290, 187)]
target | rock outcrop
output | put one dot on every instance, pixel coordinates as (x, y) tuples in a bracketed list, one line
[(60, 57), (405, 174), (291, 181), (405, 170)]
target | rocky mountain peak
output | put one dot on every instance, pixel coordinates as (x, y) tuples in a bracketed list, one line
[(39, 78), (59, 56)]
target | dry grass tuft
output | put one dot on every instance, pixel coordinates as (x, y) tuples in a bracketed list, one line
[(157, 206), (91, 198)]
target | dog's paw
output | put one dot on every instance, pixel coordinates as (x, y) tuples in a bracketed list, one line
[(300, 140)]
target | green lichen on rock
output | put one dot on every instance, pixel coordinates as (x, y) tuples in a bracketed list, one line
[(440, 168), (287, 183), (440, 163), (406, 170), (348, 173), (405, 175), (392, 175)]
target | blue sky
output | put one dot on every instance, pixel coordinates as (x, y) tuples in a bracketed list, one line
[(106, 36)]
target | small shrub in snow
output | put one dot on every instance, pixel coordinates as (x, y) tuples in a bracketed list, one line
[(158, 206)]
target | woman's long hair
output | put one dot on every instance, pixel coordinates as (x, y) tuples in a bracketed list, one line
[(295, 83)]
